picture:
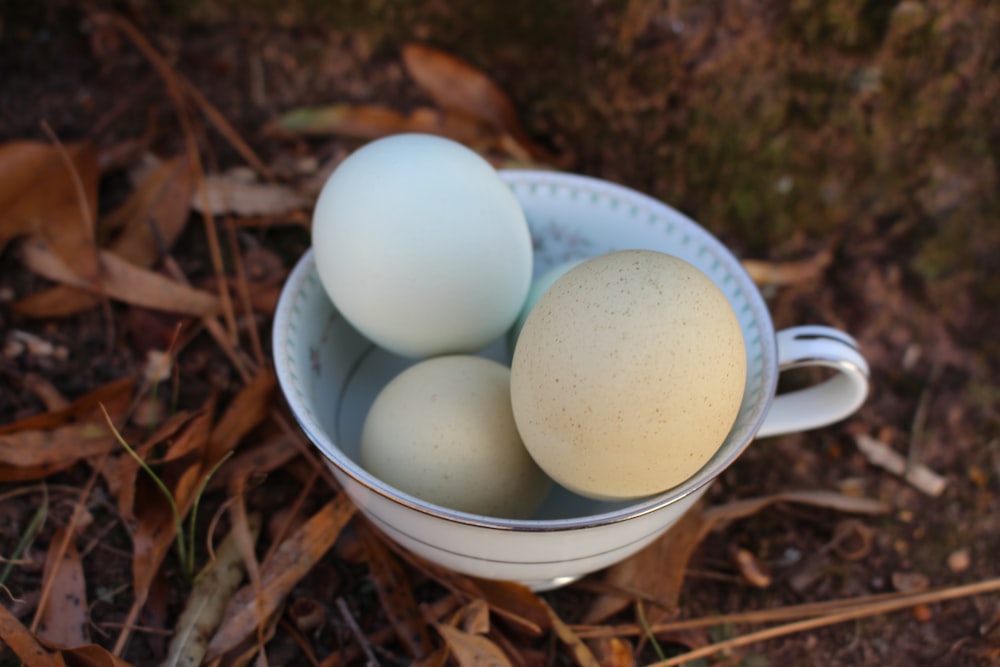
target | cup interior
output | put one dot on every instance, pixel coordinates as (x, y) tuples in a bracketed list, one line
[(330, 374)]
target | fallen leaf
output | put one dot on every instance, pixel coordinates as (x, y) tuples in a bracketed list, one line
[(38, 446), (213, 588), (23, 644), (471, 650), (789, 273), (474, 617), (739, 509), (246, 411), (43, 198), (155, 213), (516, 604), (123, 281), (223, 194), (156, 531), (395, 594), (84, 406), (371, 121), (361, 121), (614, 652), (657, 571), (91, 655), (293, 560), (455, 85), (150, 221), (581, 654), (64, 618)]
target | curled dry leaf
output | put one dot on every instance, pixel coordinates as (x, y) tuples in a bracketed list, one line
[(213, 588), (123, 281), (370, 121), (38, 446), (472, 650), (245, 413), (578, 649), (22, 642), (64, 617), (657, 571), (226, 195), (395, 594), (519, 607), (455, 85), (51, 192), (789, 273), (296, 556)]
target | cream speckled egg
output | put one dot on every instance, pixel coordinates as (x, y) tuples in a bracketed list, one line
[(422, 246), (443, 431), (628, 374)]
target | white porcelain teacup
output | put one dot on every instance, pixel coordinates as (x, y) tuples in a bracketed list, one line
[(330, 375)]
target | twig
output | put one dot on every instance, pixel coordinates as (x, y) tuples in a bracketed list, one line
[(918, 475), (301, 641), (861, 611), (243, 291), (173, 83), (366, 647)]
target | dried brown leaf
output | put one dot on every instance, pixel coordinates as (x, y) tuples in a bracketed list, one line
[(739, 509), (361, 121), (657, 571), (474, 617), (517, 604), (455, 85), (472, 650), (85, 406), (789, 273), (44, 200), (395, 594), (23, 644), (64, 618), (156, 531), (155, 213), (293, 560), (581, 654), (224, 194), (123, 281), (46, 443), (250, 407), (91, 655), (213, 588), (614, 652)]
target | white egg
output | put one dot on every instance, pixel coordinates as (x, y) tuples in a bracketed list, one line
[(422, 246), (443, 431)]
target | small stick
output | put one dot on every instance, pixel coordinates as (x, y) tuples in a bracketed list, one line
[(356, 631), (862, 611)]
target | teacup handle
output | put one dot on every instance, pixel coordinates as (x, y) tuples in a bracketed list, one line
[(824, 403)]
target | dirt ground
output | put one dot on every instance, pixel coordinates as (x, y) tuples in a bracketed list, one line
[(853, 145)]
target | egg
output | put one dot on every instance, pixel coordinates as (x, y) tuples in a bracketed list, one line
[(421, 246), (443, 431), (628, 374), (538, 287)]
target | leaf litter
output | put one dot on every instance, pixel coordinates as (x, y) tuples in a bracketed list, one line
[(230, 444)]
